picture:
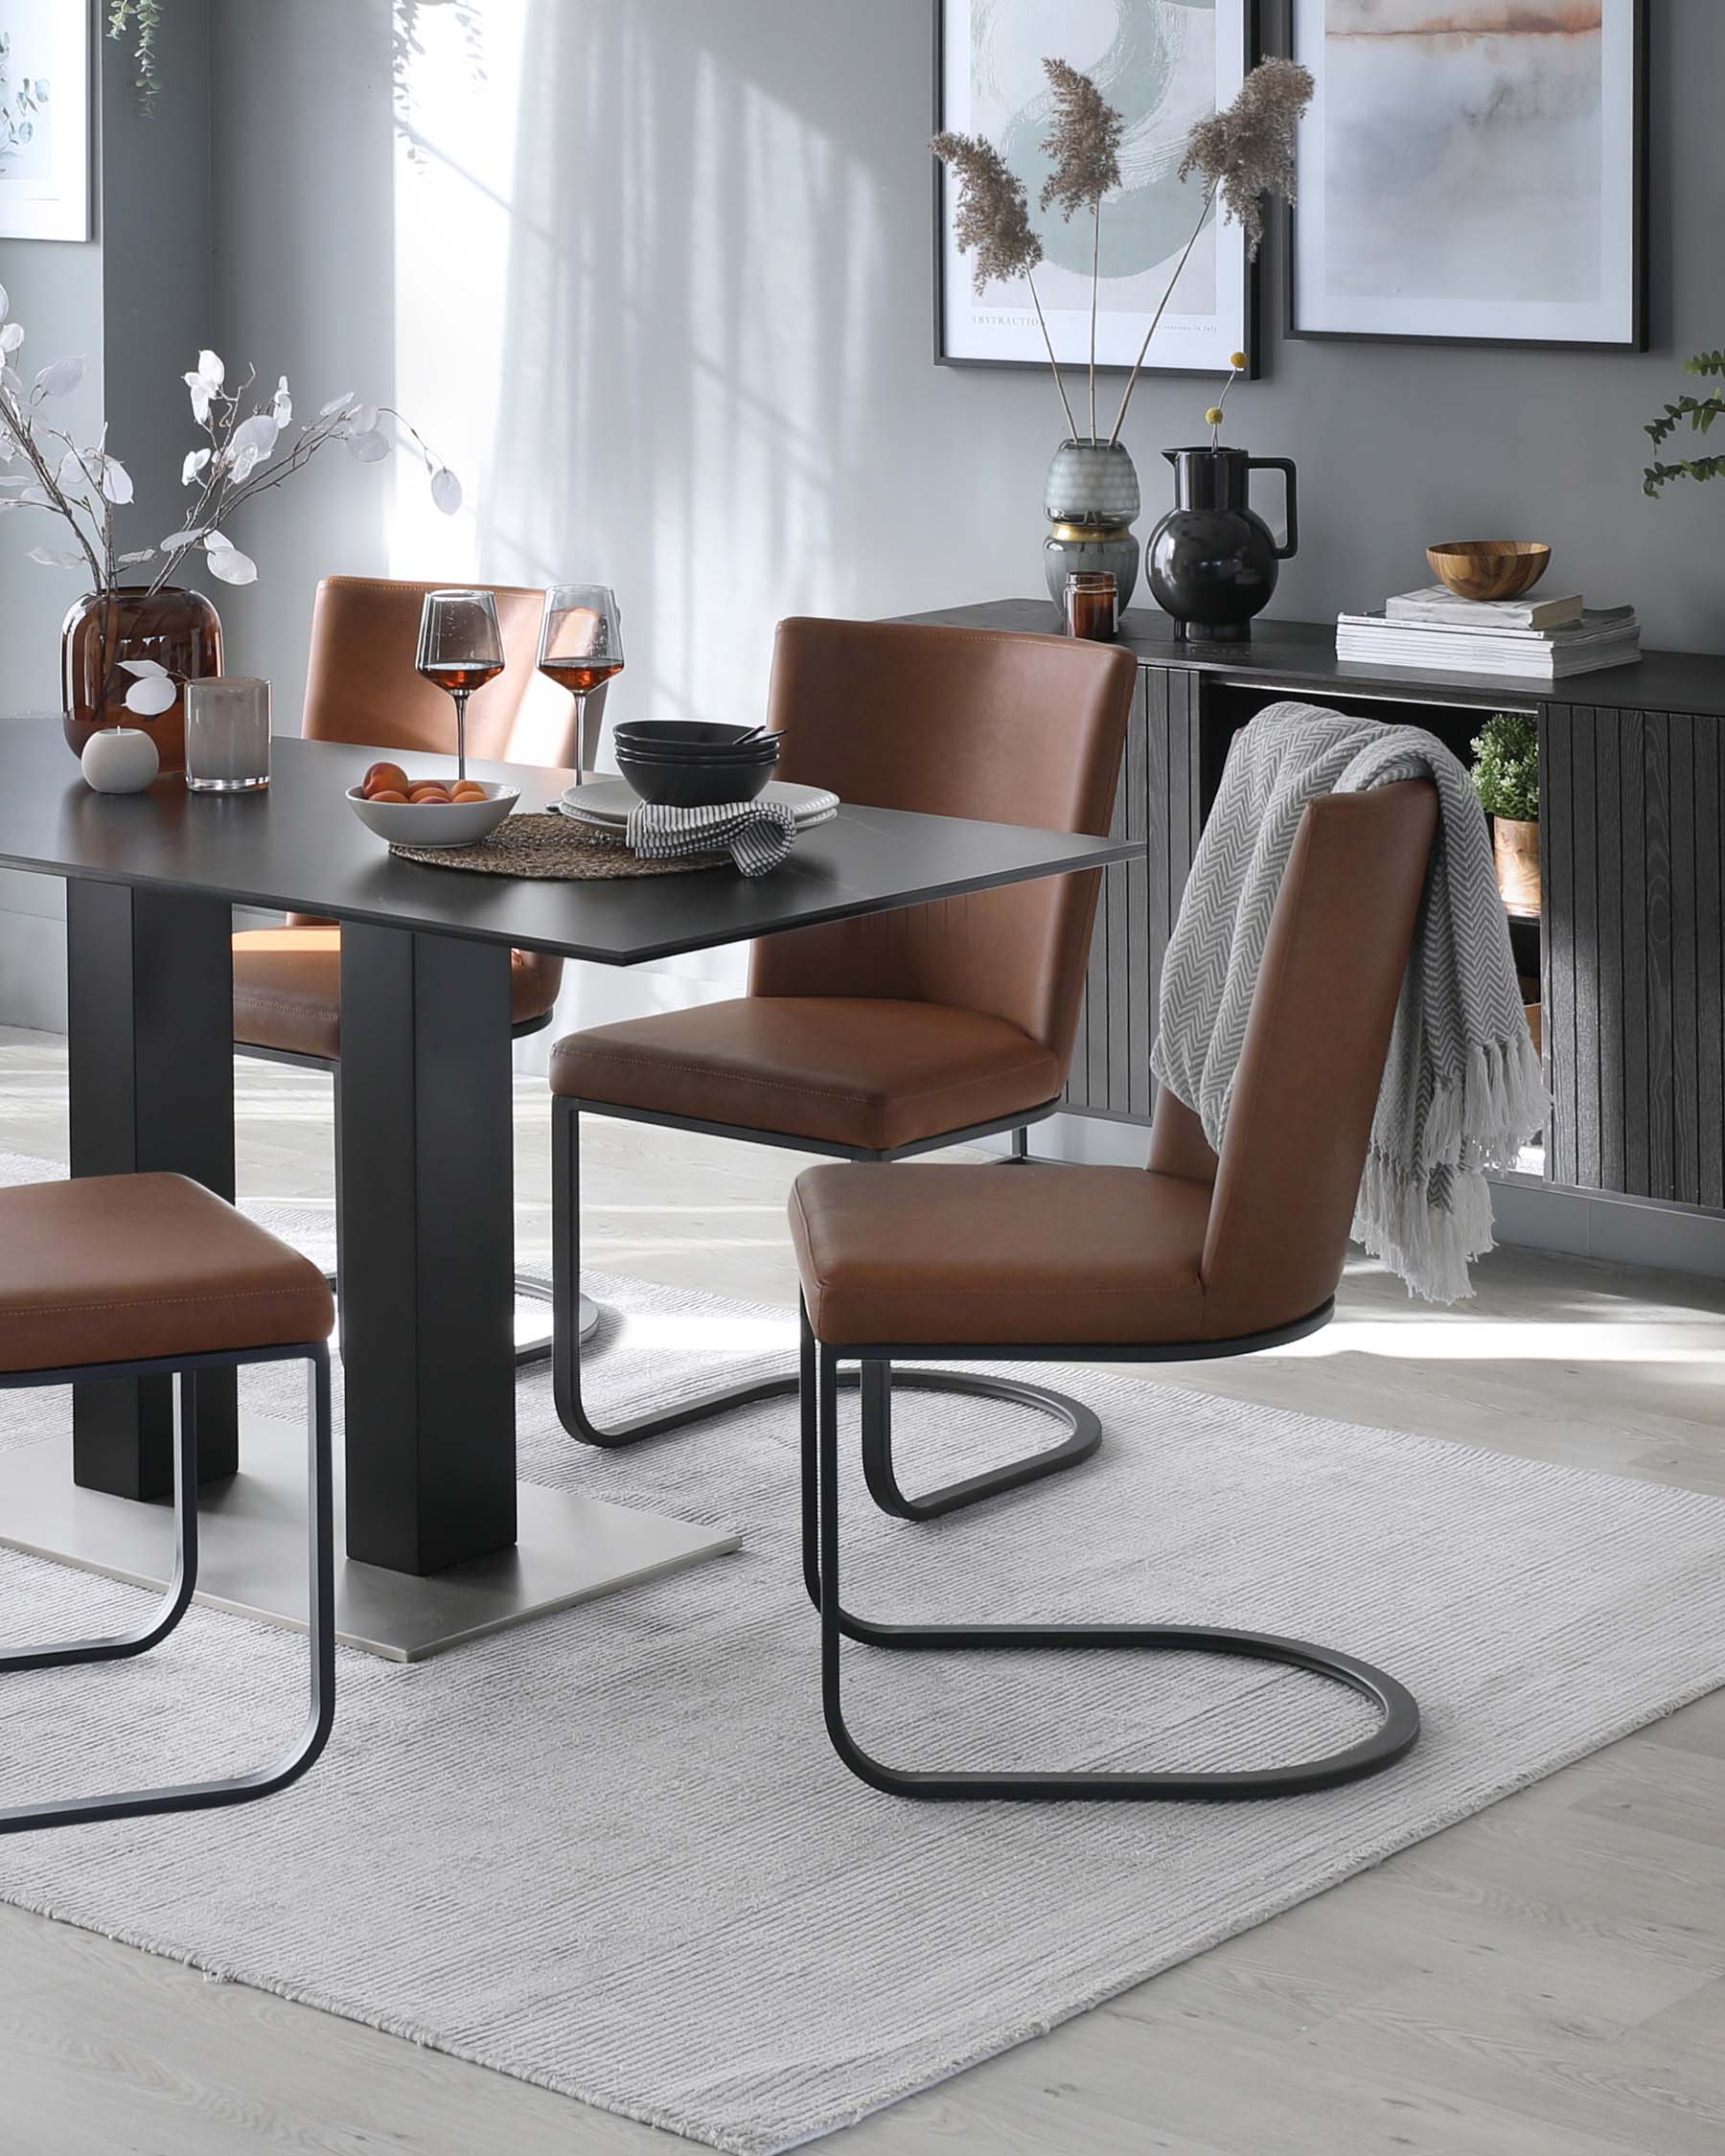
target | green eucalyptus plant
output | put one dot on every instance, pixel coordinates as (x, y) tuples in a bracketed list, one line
[(143, 19), (1505, 769), (1700, 412)]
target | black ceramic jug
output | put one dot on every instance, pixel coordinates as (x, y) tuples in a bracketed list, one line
[(1212, 560)]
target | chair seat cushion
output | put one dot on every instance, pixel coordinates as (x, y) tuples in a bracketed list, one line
[(287, 989), (840, 1069), (1024, 1254), (118, 1268)]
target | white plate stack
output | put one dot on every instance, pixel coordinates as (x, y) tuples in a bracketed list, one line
[(605, 803)]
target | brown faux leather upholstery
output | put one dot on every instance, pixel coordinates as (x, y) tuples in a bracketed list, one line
[(1035, 1252), (360, 684), (850, 1070), (287, 989), (362, 687), (119, 1269), (1193, 1248), (930, 1018)]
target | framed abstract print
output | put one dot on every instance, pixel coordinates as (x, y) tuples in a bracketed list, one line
[(1164, 64), (1472, 171)]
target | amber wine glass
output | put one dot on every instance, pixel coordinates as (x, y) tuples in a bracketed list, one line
[(460, 649), (581, 645)]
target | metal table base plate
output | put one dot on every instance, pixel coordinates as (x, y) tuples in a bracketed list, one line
[(252, 1534)]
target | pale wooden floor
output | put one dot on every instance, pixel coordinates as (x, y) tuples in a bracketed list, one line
[(1548, 1977)]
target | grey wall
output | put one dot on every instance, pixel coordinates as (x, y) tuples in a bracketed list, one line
[(158, 261), (305, 253)]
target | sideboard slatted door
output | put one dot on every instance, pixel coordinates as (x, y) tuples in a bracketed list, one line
[(1157, 802), (1635, 1001)]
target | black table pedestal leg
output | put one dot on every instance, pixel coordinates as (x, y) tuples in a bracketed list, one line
[(427, 1248), (150, 1054)]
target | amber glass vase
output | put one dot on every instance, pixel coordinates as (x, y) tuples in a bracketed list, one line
[(179, 629)]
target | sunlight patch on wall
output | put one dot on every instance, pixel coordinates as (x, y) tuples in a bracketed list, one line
[(457, 96)]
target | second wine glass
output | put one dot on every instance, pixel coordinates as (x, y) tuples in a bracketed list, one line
[(460, 649), (580, 645)]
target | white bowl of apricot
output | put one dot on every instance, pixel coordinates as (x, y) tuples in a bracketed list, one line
[(410, 812)]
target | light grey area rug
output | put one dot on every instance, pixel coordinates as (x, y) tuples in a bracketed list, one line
[(612, 1853)]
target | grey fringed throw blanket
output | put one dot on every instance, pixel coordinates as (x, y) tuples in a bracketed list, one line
[(1463, 1090)]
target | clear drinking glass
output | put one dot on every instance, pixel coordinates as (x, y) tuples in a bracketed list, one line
[(227, 735), (460, 649), (581, 644)]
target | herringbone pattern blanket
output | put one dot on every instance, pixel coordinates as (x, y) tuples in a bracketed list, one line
[(1462, 1090)]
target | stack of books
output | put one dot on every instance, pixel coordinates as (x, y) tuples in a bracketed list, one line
[(1536, 638)]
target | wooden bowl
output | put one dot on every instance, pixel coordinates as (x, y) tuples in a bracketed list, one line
[(1490, 568)]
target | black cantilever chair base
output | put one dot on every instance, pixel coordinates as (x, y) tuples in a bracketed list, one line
[(1396, 1736), (1081, 1433), (262, 1782)]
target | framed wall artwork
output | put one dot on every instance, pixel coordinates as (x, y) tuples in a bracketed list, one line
[(44, 120), (1472, 171), (1164, 64)]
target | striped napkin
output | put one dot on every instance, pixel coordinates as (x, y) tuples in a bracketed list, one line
[(757, 835)]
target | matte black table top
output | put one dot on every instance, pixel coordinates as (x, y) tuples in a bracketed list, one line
[(1301, 654), (299, 847)]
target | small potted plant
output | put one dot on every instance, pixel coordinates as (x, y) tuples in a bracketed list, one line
[(1505, 776)]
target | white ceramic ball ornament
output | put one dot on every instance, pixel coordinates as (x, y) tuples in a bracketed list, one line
[(120, 759)]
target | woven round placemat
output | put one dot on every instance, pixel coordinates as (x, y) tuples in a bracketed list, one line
[(553, 847)]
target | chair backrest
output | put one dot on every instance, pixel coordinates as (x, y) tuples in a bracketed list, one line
[(1007, 728), (1285, 1187), (361, 685)]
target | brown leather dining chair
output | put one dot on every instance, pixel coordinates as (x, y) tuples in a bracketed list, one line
[(362, 688), (879, 1037), (147, 1277), (1197, 1255)]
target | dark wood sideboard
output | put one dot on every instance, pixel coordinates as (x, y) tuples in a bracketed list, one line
[(1629, 948)]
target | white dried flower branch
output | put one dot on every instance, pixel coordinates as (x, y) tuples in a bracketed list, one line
[(246, 452)]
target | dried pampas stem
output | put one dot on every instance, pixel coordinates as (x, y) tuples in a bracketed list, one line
[(1084, 143), (994, 224)]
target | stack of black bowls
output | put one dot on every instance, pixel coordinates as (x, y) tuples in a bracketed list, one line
[(687, 764)]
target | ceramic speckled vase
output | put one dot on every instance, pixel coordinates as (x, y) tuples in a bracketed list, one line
[(1092, 498)]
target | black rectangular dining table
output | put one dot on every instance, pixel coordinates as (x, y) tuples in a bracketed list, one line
[(442, 1542)]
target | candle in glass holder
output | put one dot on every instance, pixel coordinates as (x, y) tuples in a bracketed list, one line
[(1093, 604), (227, 735)]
